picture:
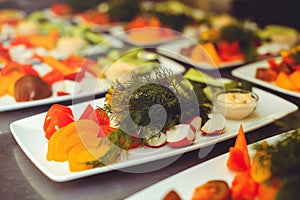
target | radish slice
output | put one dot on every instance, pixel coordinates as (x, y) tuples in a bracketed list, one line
[(215, 125), (181, 135), (195, 122), (158, 141)]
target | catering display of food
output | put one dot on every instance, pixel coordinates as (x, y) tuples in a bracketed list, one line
[(138, 117), (154, 107)]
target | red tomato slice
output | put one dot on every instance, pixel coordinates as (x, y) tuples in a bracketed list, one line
[(16, 67), (57, 117)]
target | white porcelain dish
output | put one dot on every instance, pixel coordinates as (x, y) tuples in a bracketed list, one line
[(185, 182), (29, 131)]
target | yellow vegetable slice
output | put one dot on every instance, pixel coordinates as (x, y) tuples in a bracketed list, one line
[(261, 165)]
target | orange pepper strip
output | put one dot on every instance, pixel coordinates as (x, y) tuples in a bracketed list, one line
[(56, 64)]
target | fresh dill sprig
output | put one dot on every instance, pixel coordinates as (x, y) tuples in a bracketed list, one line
[(156, 101), (285, 163)]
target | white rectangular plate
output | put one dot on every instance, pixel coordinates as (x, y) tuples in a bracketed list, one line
[(90, 87), (173, 49), (185, 182), (29, 131), (247, 72)]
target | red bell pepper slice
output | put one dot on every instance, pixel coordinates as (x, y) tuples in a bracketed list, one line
[(53, 76), (21, 40), (272, 63), (77, 76), (73, 61), (62, 93), (230, 51), (297, 67), (57, 117), (4, 54)]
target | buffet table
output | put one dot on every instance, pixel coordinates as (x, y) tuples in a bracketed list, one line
[(20, 179)]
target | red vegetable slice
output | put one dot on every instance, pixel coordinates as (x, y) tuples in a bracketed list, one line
[(239, 159), (243, 187), (266, 74), (53, 76), (77, 76), (57, 117), (98, 115)]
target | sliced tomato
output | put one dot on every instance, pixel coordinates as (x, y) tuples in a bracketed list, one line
[(57, 117), (13, 66)]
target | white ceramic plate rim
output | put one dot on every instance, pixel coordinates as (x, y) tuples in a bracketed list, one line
[(247, 72), (185, 182), (12, 105), (29, 131)]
